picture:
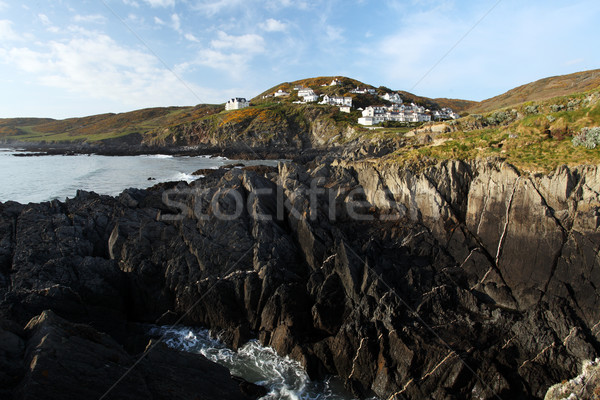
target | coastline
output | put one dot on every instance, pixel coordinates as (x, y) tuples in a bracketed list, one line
[(239, 151)]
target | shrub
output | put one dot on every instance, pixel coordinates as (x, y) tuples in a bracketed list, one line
[(571, 105), (531, 109), (497, 118), (557, 107), (588, 137)]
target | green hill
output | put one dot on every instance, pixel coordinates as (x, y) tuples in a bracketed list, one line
[(533, 136), (542, 89)]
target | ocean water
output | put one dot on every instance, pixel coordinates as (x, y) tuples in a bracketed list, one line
[(283, 377), (44, 178)]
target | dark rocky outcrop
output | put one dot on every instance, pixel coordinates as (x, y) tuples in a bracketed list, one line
[(463, 280), (63, 360)]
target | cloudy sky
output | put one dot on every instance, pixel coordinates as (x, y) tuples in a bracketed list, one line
[(63, 58)]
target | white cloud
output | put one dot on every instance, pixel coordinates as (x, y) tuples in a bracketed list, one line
[(176, 22), (96, 66), (131, 3), (160, 3), (231, 53), (250, 43), (279, 4), (44, 19), (159, 21), (7, 34), (212, 7), (333, 33), (94, 19), (135, 19), (191, 37), (46, 22), (3, 5), (273, 25), (575, 61)]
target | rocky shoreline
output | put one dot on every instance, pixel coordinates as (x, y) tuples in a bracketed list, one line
[(461, 280), (239, 150)]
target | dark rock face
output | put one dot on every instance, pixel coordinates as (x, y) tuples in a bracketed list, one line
[(460, 281), (74, 361)]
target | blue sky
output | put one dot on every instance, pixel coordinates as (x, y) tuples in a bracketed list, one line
[(66, 58)]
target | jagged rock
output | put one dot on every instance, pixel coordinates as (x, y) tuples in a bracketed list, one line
[(73, 361), (460, 280)]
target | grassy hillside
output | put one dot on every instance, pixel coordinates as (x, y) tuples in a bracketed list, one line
[(542, 89), (101, 127), (457, 105), (533, 136)]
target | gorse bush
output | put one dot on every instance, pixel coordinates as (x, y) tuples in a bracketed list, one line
[(531, 109), (588, 137)]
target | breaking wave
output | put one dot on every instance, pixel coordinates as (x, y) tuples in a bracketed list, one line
[(283, 377)]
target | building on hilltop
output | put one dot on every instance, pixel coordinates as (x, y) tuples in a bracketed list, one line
[(281, 93), (237, 103), (335, 82)]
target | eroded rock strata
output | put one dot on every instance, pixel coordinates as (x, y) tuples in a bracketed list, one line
[(463, 280)]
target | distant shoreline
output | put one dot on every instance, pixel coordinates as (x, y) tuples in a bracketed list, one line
[(239, 151)]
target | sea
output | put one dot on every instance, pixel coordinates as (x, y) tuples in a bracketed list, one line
[(34, 179), (284, 378)]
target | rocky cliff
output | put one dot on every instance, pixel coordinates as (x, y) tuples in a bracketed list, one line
[(461, 280)]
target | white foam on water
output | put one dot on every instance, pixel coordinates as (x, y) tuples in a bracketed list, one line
[(285, 378), (182, 176), (159, 156)]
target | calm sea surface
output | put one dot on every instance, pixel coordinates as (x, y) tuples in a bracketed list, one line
[(43, 178)]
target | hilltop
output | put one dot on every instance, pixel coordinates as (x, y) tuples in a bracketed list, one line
[(542, 89)]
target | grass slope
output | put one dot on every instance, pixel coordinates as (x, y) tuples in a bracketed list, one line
[(542, 89), (101, 127), (533, 136)]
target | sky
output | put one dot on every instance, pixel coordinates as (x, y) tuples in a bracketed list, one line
[(71, 58)]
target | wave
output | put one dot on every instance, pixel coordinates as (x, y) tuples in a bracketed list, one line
[(182, 176), (159, 156), (285, 378)]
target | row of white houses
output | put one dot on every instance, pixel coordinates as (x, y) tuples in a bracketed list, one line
[(374, 115)]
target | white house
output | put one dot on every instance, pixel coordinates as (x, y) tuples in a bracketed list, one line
[(444, 114), (281, 93), (304, 92), (335, 82), (308, 95), (360, 90), (392, 97), (337, 101), (345, 109), (373, 115), (237, 103)]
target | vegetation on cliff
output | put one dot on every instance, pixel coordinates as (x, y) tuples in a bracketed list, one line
[(542, 89), (534, 136)]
